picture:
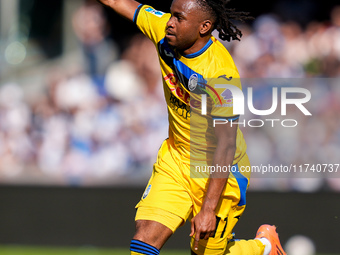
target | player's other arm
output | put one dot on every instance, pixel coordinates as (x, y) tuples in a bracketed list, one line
[(125, 8), (204, 223), (223, 156)]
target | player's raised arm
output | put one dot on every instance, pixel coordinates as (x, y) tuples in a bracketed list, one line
[(125, 8)]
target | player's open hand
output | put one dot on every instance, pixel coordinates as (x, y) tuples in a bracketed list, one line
[(203, 226)]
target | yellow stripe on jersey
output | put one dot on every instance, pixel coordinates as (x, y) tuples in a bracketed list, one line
[(185, 78)]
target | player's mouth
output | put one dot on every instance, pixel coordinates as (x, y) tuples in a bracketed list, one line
[(169, 34)]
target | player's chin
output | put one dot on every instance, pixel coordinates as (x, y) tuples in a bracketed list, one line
[(171, 40)]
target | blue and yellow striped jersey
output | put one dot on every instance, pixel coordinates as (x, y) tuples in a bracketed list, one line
[(183, 76)]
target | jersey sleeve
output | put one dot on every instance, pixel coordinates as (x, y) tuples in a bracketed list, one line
[(224, 86), (151, 22)]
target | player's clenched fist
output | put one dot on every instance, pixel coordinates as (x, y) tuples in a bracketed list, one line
[(125, 8)]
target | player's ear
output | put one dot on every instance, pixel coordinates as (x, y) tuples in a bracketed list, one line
[(206, 26)]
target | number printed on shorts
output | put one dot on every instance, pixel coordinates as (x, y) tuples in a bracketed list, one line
[(218, 220)]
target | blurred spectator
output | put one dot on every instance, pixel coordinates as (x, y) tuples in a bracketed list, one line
[(105, 122), (92, 30)]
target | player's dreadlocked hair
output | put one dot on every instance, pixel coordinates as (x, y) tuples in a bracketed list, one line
[(223, 16)]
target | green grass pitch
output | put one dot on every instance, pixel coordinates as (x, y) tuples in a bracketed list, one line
[(23, 250)]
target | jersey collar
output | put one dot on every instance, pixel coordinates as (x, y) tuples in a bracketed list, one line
[(201, 51)]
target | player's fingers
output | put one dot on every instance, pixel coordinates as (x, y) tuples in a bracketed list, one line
[(206, 236), (192, 228), (197, 238), (212, 233), (202, 235)]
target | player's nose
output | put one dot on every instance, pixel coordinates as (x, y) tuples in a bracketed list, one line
[(170, 23)]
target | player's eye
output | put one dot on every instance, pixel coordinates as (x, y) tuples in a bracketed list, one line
[(179, 18)]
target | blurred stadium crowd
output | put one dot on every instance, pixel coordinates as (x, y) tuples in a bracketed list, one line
[(103, 120)]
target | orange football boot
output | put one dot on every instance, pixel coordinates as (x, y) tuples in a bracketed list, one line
[(269, 232)]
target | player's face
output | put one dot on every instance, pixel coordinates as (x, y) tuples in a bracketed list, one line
[(183, 26)]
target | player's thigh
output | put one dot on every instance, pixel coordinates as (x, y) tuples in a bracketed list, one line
[(164, 207), (164, 201), (166, 191)]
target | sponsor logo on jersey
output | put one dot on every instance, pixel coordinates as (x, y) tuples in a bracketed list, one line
[(155, 12), (176, 89), (181, 108), (179, 98)]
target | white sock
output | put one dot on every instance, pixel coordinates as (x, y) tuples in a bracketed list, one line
[(267, 244)]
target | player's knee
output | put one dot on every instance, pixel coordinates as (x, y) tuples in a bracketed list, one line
[(144, 241), (152, 233), (142, 232)]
